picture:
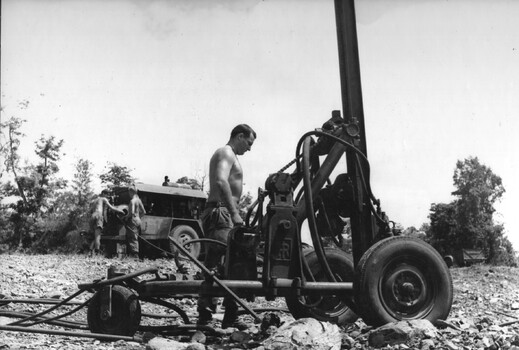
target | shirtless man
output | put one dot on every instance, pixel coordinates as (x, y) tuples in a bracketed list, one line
[(221, 214), (98, 216), (133, 223)]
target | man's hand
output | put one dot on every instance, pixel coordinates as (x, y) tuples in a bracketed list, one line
[(237, 220)]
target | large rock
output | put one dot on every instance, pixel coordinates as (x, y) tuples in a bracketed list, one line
[(401, 332), (305, 333), (158, 343)]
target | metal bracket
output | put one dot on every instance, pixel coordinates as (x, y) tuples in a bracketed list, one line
[(106, 303)]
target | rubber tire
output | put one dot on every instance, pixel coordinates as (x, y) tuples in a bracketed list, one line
[(184, 233), (126, 312), (402, 278), (333, 310)]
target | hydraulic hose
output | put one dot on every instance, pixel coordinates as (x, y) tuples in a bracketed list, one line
[(172, 306), (307, 183), (85, 286), (32, 317), (368, 190), (70, 334), (205, 240), (366, 183), (57, 317), (61, 323)]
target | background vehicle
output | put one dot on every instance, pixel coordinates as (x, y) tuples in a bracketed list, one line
[(171, 211)]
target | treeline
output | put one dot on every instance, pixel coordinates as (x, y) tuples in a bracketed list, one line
[(39, 207), (467, 222)]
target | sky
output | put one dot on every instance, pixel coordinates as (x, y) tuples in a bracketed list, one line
[(157, 86)]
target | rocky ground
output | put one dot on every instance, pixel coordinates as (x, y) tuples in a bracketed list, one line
[(485, 312)]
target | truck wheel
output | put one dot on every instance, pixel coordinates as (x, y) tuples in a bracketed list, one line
[(183, 234), (402, 278), (328, 308), (125, 312)]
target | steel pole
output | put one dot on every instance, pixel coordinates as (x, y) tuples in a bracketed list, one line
[(351, 94)]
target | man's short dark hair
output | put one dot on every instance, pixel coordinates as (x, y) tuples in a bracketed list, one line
[(243, 129), (132, 188)]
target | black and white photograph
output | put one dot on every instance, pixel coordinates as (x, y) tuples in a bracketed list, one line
[(259, 174)]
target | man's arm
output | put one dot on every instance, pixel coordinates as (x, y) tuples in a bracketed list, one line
[(131, 209), (142, 211), (223, 168), (117, 210)]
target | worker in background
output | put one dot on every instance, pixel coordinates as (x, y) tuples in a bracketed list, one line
[(221, 214), (98, 208), (133, 223), (166, 181)]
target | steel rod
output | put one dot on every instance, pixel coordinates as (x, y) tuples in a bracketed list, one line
[(70, 334), (284, 286), (216, 279)]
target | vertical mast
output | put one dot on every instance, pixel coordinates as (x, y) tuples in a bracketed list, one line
[(351, 94)]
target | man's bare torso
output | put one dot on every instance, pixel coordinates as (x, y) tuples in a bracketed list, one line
[(98, 207), (235, 176), (136, 208)]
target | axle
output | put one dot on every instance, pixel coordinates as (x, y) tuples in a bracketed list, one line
[(281, 287)]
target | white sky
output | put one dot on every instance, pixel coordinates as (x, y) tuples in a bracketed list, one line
[(158, 85)]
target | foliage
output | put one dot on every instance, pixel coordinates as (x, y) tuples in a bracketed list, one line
[(37, 207), (477, 187), (467, 222), (37, 187), (194, 183), (11, 139), (414, 232), (78, 200), (48, 149), (70, 211), (116, 175), (244, 204), (82, 182), (442, 233)]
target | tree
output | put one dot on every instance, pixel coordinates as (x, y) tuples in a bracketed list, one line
[(78, 200), (11, 132), (414, 232), (116, 175), (22, 212), (467, 222), (478, 188), (48, 149), (194, 183), (202, 178), (82, 182), (442, 232)]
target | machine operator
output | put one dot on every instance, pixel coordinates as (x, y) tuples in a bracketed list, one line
[(221, 213)]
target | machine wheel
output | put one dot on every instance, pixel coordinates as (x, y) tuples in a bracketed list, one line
[(402, 278), (182, 234), (125, 316), (328, 308)]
